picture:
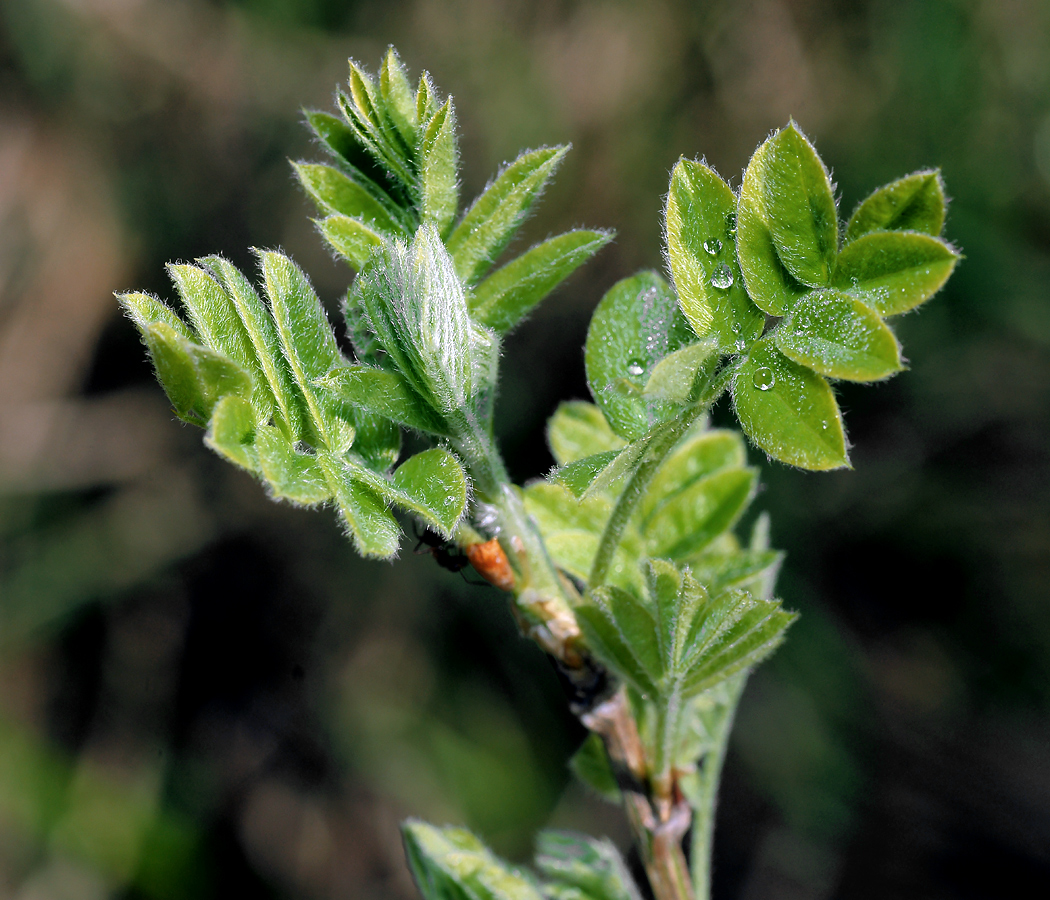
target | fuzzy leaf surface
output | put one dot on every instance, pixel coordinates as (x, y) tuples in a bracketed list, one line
[(352, 239), (674, 378), (231, 432), (894, 271), (385, 394), (578, 429), (701, 250), (838, 336), (636, 324), (800, 203), (334, 192), (495, 216), (788, 410), (913, 203), (582, 868), (439, 163), (368, 522), (290, 475), (509, 294)]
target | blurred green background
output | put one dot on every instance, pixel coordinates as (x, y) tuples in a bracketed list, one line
[(206, 694)]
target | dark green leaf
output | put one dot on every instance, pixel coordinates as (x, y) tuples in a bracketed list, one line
[(341, 141), (351, 239), (307, 341), (800, 202), (838, 336), (637, 324), (291, 475), (334, 192), (231, 432), (452, 864), (509, 294), (591, 765), (676, 600), (788, 410), (438, 164), (770, 285), (697, 457), (894, 271), (695, 516), (582, 868), (913, 203), (494, 218), (609, 645), (368, 522), (377, 439), (383, 393), (578, 429), (577, 476), (701, 251)]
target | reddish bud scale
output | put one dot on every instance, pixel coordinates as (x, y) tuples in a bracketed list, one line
[(491, 563)]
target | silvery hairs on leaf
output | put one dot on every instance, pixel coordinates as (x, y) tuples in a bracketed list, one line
[(416, 306)]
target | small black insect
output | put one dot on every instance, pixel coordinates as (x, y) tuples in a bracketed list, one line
[(445, 553)]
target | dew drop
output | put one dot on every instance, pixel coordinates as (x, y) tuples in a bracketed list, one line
[(731, 222), (635, 368), (764, 379), (740, 346), (712, 246), (722, 277)]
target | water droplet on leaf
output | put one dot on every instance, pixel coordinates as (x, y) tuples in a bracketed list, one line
[(712, 246), (731, 222), (635, 368), (722, 277), (764, 379)]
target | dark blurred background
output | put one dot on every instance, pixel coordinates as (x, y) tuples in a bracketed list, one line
[(205, 694)]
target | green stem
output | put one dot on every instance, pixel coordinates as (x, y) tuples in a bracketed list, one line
[(661, 443), (710, 776)]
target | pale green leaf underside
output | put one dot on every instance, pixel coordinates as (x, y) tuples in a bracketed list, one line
[(913, 203), (578, 429)]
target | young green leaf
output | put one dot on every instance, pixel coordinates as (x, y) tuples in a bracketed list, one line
[(231, 432), (894, 271), (368, 522), (590, 763), (263, 334), (342, 143), (732, 632), (913, 203), (582, 868), (334, 192), (674, 378), (512, 292), (622, 632), (438, 165), (800, 202), (452, 864), (375, 131), (495, 216), (788, 410), (637, 324), (377, 439), (398, 98), (700, 249), (578, 429), (772, 287), (307, 341), (290, 475), (351, 239), (577, 476), (698, 456), (719, 570), (838, 336), (385, 394), (695, 516)]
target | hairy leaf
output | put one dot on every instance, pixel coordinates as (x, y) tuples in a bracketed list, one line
[(438, 164), (512, 292), (495, 216), (800, 203), (582, 868), (772, 287), (399, 101), (334, 192), (637, 324), (291, 475), (894, 271), (605, 635), (579, 475), (368, 522), (452, 864), (578, 429), (231, 432), (351, 239), (838, 336), (341, 141), (788, 410), (385, 394), (701, 250), (913, 203), (674, 378)]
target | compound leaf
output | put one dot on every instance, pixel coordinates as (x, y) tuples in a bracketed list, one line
[(788, 410), (912, 203), (494, 218), (894, 271), (512, 292), (701, 251), (636, 324), (800, 202), (838, 336)]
